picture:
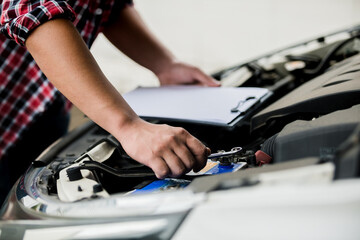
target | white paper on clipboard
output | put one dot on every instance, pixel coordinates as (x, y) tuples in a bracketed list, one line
[(207, 105)]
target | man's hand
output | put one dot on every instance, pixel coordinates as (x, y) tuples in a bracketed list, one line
[(168, 151), (180, 73)]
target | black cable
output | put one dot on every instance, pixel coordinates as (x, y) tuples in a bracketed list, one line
[(328, 56), (92, 165)]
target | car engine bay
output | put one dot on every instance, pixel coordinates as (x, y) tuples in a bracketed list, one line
[(311, 121)]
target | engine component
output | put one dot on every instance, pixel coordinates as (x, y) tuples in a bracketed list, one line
[(317, 138), (337, 89), (235, 155), (236, 78)]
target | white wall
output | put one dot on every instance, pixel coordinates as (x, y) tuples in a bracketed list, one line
[(213, 34)]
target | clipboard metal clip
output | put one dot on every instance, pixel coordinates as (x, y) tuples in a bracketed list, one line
[(241, 102)]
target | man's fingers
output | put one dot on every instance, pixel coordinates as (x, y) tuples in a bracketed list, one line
[(208, 151), (205, 79), (186, 156), (175, 164), (192, 152), (160, 168), (199, 152)]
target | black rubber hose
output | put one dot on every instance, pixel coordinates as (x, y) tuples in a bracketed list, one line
[(92, 165), (325, 60)]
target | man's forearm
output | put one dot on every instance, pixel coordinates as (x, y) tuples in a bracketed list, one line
[(130, 35), (62, 55)]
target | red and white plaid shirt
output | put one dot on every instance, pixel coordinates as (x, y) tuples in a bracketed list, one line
[(25, 92)]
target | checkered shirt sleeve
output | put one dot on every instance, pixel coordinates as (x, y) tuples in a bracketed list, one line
[(25, 92), (20, 17)]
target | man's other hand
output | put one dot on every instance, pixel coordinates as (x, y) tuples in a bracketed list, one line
[(179, 73)]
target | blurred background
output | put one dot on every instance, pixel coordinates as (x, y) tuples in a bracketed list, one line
[(213, 34)]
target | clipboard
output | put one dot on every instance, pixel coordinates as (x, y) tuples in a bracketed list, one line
[(223, 107)]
